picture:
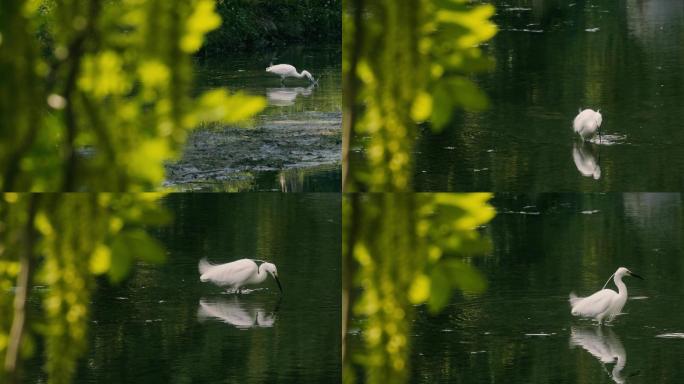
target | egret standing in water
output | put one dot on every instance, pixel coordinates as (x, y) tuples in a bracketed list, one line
[(287, 70), (604, 303), (238, 274), (587, 123)]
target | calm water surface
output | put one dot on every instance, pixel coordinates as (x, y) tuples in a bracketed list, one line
[(545, 246), (553, 57), (164, 326)]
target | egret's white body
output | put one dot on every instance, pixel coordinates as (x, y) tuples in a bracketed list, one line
[(287, 70), (604, 304), (607, 348), (235, 313), (585, 161), (587, 123), (238, 274)]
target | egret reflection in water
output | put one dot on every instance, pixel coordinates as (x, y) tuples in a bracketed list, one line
[(237, 312), (286, 96), (603, 344), (587, 159)]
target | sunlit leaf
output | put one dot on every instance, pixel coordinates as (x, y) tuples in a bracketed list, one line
[(420, 289), (422, 107), (100, 260)]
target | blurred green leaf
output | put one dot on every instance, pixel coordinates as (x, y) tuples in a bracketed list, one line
[(442, 108), (440, 289), (121, 260), (142, 246), (464, 276)]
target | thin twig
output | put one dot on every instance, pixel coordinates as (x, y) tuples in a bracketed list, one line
[(21, 294)]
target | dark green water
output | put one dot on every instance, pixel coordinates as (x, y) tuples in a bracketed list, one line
[(545, 246), (164, 326), (553, 57)]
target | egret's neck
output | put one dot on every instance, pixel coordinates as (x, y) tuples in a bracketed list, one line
[(261, 274), (622, 288)]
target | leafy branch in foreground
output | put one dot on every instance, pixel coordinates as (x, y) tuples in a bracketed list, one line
[(402, 250), (405, 63), (96, 95), (61, 242)]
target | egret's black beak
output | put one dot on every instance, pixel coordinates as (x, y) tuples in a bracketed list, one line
[(635, 275), (278, 281)]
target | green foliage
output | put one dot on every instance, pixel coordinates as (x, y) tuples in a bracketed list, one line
[(95, 95), (262, 23), (403, 250), (79, 237), (406, 63)]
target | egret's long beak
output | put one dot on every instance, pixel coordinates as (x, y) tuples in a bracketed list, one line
[(635, 275), (278, 281)]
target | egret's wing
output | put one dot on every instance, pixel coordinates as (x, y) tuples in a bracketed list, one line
[(282, 69), (578, 123), (593, 305), (574, 298), (230, 273), (204, 266)]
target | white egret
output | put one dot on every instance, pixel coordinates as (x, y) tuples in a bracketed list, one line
[(605, 303), (287, 70), (238, 274), (587, 123)]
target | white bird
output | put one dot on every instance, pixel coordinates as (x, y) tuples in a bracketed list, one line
[(287, 70), (238, 274), (235, 313), (604, 303), (587, 122), (606, 348), (585, 161)]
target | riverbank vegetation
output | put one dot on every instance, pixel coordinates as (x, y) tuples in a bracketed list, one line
[(255, 24)]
